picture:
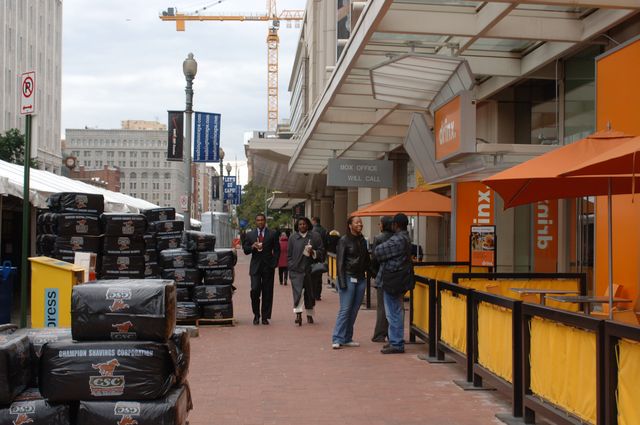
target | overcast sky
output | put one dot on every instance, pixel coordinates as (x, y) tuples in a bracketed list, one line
[(120, 62)]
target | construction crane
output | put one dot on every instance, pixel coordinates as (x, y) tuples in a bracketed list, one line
[(271, 15)]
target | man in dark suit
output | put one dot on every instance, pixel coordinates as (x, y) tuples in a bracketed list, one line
[(263, 245)]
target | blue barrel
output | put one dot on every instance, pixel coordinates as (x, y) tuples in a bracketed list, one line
[(7, 276)]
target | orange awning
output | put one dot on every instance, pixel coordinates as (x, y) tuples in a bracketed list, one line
[(415, 202), (541, 178)]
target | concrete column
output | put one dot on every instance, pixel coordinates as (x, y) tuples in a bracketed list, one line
[(352, 200), (367, 196), (340, 211), (326, 213), (316, 209)]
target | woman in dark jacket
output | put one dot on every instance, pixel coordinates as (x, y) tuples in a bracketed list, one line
[(352, 263)]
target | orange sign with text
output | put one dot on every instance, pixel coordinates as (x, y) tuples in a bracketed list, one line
[(474, 207), (545, 250), (448, 129)]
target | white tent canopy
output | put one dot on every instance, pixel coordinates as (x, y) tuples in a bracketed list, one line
[(43, 183)]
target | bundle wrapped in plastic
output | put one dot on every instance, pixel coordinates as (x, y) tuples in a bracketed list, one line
[(213, 294), (68, 245), (159, 214), (37, 338), (219, 259), (183, 276), (123, 245), (217, 311), (124, 310), (176, 258), (187, 311), (15, 366), (183, 294), (30, 408), (44, 223), (198, 241), (150, 256), (167, 226), (122, 263), (149, 240), (169, 410), (182, 342), (115, 224), (219, 276), (122, 274), (46, 244), (107, 370), (75, 224), (168, 241), (152, 270), (76, 202)]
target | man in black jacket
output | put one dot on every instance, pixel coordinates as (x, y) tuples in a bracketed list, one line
[(263, 245), (316, 278), (382, 326)]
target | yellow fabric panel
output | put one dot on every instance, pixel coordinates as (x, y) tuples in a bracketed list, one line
[(563, 367), (421, 307), (332, 265), (495, 340), (507, 284), (425, 271), (628, 378), (454, 320)]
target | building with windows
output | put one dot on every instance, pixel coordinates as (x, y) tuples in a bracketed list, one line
[(140, 155), (386, 79), (31, 34)]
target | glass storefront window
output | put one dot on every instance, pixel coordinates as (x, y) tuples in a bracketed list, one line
[(580, 94)]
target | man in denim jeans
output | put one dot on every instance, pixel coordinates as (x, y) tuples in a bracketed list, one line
[(392, 255)]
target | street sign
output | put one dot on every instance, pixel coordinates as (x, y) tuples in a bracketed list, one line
[(229, 187), (28, 93), (206, 140), (183, 202)]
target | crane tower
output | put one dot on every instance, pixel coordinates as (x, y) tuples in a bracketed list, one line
[(271, 15)]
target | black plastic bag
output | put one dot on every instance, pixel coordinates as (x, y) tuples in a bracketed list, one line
[(217, 311), (46, 244), (183, 276), (198, 241), (30, 408), (176, 258), (219, 276), (159, 214), (115, 224), (152, 270), (112, 370), (122, 263), (150, 256), (76, 202), (15, 366), (183, 294), (168, 241), (170, 410), (123, 310), (123, 245), (37, 338), (75, 224), (167, 226), (182, 342), (213, 294), (220, 259), (68, 245), (187, 311), (149, 241)]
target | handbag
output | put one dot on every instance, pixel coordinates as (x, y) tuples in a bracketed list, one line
[(319, 268)]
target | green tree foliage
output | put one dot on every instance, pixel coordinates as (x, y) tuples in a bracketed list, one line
[(12, 147), (253, 202)]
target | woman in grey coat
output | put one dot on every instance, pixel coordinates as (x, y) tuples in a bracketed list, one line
[(305, 248)]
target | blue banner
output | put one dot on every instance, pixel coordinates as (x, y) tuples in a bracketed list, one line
[(206, 138), (229, 188), (237, 199)]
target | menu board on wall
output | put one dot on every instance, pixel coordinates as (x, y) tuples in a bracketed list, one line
[(482, 244)]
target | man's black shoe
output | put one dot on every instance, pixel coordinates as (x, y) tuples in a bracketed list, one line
[(381, 339), (265, 321), (392, 350), (256, 320)]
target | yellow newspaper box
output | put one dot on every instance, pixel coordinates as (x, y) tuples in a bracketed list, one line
[(51, 284)]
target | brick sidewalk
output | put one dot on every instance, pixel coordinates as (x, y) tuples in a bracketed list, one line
[(284, 374)]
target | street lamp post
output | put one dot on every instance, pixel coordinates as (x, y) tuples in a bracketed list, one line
[(189, 68), (221, 196)]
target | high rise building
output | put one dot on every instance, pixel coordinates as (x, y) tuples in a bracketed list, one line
[(141, 156), (31, 40)]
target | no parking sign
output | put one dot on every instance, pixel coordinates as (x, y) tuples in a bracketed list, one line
[(28, 93)]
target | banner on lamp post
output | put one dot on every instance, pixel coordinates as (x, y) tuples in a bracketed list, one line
[(229, 187), (206, 140), (237, 199), (215, 188), (175, 136)]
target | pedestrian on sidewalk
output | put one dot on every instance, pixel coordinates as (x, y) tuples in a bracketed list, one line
[(382, 326), (316, 276), (305, 248), (352, 260), (393, 255), (263, 246), (282, 261)]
